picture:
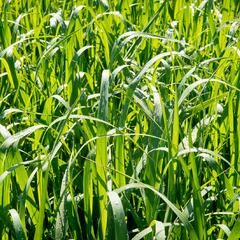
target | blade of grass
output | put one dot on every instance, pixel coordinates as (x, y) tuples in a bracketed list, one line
[(101, 153)]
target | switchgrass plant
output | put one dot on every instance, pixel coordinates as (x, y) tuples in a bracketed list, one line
[(119, 119)]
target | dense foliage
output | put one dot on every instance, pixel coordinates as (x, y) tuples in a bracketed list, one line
[(119, 119)]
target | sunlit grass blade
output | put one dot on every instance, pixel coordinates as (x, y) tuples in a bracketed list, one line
[(101, 153), (120, 227), (19, 231), (235, 234), (61, 220)]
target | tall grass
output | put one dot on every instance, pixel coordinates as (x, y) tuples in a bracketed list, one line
[(119, 119)]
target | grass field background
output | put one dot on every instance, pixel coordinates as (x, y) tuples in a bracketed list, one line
[(119, 119)]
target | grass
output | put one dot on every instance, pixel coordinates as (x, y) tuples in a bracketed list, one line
[(119, 119)]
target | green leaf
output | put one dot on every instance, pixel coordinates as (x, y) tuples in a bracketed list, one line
[(18, 136), (17, 225), (235, 233), (120, 226)]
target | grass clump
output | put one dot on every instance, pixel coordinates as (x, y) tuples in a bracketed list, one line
[(119, 119)]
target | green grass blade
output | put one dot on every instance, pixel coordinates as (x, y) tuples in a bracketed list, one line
[(235, 234), (19, 231), (61, 221), (101, 153), (120, 226), (18, 136)]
